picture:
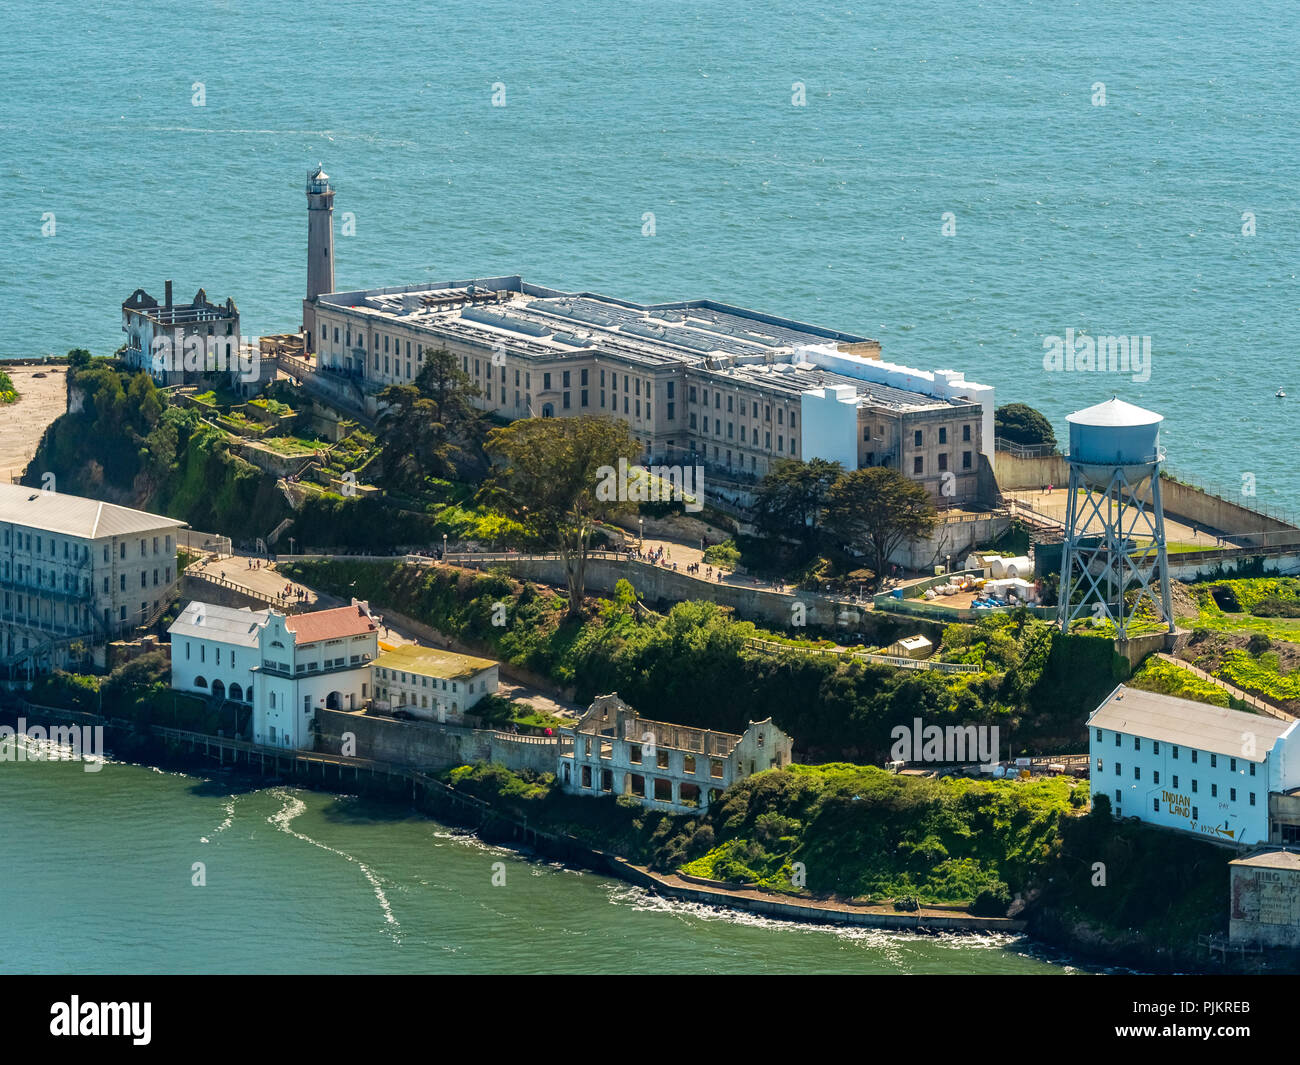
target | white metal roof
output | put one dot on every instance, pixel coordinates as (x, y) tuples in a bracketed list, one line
[(224, 624), (1189, 724), (70, 515), (1115, 412)]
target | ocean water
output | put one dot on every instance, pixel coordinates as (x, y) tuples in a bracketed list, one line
[(157, 139), (1122, 219), (98, 874)]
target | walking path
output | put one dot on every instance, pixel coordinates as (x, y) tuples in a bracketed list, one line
[(1236, 693), (267, 583)]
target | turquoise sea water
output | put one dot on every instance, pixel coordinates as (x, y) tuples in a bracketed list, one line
[(1123, 219), (97, 872)]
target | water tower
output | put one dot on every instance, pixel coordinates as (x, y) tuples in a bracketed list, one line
[(1115, 523)]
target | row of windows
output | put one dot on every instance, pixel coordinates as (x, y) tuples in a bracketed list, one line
[(74, 551), (1155, 779), (918, 435), (69, 583), (418, 681), (704, 428), (1174, 751), (918, 463), (717, 405)]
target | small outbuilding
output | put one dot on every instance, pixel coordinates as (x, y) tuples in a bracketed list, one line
[(911, 647)]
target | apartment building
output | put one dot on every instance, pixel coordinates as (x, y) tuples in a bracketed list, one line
[(77, 570)]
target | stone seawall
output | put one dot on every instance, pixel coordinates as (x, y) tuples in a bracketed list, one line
[(693, 889)]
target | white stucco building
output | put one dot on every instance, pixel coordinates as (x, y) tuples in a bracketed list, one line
[(286, 666), (613, 750), (214, 650), (311, 661), (1192, 766)]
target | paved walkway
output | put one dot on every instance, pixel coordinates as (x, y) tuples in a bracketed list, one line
[(1236, 693), (266, 580), (1053, 505)]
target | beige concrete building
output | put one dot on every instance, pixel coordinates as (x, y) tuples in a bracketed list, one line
[(432, 684), (697, 382), (613, 750), (77, 570), (1264, 900)]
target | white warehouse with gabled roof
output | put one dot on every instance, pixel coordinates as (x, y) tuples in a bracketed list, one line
[(1180, 764)]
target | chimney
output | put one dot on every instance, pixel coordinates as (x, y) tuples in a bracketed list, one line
[(168, 301)]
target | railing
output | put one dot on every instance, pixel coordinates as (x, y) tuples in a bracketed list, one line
[(285, 603), (899, 661), (1246, 697), (511, 737), (1024, 451)]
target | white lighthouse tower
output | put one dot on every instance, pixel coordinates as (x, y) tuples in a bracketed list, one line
[(320, 248), (1115, 522)]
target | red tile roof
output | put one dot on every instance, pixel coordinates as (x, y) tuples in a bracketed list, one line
[(330, 624)]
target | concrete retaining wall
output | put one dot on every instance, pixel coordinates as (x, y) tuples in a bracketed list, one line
[(428, 745), (663, 587), (1021, 474), (1193, 506), (1188, 504)]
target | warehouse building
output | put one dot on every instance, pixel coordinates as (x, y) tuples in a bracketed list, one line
[(1180, 764)]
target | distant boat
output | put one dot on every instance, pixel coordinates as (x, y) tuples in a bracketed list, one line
[(1280, 394)]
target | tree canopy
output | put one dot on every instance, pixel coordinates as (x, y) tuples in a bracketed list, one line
[(1021, 424), (875, 510), (789, 499), (431, 427), (545, 475)]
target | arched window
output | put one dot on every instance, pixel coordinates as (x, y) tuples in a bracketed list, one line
[(199, 682), (236, 693)]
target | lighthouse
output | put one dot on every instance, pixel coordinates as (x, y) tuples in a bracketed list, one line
[(320, 248)]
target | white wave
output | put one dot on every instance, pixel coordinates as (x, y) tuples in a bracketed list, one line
[(283, 820)]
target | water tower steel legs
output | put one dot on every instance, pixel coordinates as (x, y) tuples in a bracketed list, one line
[(1105, 571)]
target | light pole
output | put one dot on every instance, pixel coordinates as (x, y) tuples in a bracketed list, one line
[(444, 547), (642, 523)]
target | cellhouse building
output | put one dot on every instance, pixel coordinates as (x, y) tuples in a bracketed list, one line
[(1199, 768), (698, 382)]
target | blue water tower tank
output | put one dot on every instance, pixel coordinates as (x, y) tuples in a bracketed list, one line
[(1113, 434)]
